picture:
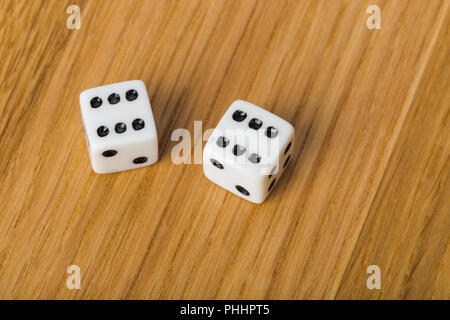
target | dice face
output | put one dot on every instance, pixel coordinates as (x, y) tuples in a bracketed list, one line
[(119, 126), (248, 151)]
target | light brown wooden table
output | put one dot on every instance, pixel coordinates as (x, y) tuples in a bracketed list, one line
[(368, 185)]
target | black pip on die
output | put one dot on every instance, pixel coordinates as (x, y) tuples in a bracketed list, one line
[(248, 151), (119, 126)]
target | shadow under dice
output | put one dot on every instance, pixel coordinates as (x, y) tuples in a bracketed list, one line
[(248, 151), (119, 126)]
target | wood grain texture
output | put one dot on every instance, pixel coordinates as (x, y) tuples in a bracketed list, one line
[(369, 181)]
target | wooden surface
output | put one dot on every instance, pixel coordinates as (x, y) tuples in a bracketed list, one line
[(369, 184)]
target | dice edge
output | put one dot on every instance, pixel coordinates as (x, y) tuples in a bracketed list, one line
[(252, 105)]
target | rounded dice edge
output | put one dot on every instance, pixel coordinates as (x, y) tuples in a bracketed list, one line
[(243, 104)]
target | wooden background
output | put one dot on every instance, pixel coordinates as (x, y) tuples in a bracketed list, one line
[(369, 183)]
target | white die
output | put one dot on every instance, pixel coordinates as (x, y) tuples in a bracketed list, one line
[(252, 171), (119, 126)]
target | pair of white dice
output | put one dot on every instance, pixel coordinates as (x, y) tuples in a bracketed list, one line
[(246, 153)]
